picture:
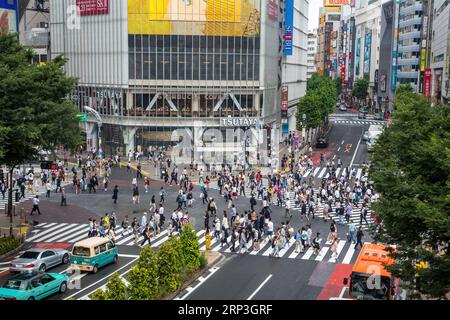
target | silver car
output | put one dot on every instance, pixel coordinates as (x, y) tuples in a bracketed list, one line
[(34, 260)]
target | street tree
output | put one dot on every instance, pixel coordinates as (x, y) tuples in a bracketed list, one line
[(170, 265), (36, 113), (338, 82), (360, 89), (190, 249), (143, 277), (411, 171), (115, 290)]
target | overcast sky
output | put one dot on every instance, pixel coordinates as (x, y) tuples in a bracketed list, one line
[(314, 6)]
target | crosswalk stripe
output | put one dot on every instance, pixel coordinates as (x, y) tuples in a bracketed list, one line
[(286, 248), (307, 173), (46, 225), (308, 253), (294, 254), (321, 173), (44, 239), (40, 234), (268, 251), (337, 172), (349, 254), (77, 236), (261, 247), (126, 239), (80, 226), (322, 253), (358, 174), (315, 171), (340, 246)]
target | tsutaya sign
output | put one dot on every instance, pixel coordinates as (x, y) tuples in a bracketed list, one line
[(239, 122)]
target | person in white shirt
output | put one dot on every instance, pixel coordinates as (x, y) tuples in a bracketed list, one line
[(35, 205)]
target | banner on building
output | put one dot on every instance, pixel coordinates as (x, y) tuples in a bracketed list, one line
[(233, 18), (93, 7), (8, 16), (272, 9), (367, 51), (284, 109), (423, 59), (427, 83), (289, 27), (357, 55)]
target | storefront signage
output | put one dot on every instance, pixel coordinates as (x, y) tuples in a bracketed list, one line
[(289, 28), (93, 7), (239, 122), (427, 88)]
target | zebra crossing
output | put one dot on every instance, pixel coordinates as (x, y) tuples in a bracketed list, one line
[(41, 190), (72, 232), (320, 172), (358, 122)]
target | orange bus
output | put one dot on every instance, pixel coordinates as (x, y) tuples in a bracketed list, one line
[(369, 279)]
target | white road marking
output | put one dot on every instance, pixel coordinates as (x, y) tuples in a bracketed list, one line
[(39, 235), (259, 288), (340, 246), (308, 254), (322, 253), (211, 272), (66, 233), (354, 155), (103, 278), (349, 254)]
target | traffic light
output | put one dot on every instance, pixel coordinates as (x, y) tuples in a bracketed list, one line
[(48, 165)]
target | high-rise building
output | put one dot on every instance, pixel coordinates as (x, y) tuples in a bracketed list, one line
[(312, 50), (411, 57), (191, 73), (327, 59), (367, 48), (440, 51)]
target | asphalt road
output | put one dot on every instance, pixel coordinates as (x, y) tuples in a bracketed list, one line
[(240, 276)]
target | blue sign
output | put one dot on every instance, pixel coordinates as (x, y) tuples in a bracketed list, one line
[(9, 16), (285, 128), (289, 28)]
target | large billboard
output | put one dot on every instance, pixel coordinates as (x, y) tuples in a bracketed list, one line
[(367, 51), (8, 16), (194, 17), (357, 54)]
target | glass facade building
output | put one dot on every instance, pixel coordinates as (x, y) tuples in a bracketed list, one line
[(152, 67)]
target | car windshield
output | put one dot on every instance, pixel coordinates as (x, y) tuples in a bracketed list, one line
[(362, 288), (30, 255), (15, 285), (81, 252)]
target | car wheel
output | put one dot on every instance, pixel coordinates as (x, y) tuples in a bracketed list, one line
[(116, 259), (95, 269), (63, 287), (65, 259), (42, 268), (31, 298)]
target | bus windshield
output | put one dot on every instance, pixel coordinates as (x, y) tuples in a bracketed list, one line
[(363, 288)]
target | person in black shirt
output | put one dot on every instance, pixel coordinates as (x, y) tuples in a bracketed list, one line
[(359, 236)]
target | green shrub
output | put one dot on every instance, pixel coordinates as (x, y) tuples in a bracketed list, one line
[(143, 277), (203, 261), (170, 265), (189, 249), (8, 244)]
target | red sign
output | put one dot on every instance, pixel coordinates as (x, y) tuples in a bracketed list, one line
[(343, 71), (427, 85), (93, 7)]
